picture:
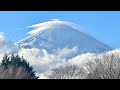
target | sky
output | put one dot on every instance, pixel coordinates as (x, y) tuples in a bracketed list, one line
[(102, 25)]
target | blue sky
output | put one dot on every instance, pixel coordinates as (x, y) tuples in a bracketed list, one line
[(103, 25)]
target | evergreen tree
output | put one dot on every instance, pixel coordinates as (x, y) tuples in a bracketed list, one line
[(15, 67), (5, 61)]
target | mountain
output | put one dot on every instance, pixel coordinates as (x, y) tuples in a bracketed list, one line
[(57, 34)]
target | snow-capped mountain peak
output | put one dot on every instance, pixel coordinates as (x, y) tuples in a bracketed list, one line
[(57, 34)]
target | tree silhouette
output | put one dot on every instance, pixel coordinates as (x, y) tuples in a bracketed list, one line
[(15, 67)]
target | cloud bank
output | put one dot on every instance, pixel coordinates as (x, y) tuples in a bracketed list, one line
[(43, 62)]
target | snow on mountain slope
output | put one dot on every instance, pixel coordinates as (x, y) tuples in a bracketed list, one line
[(57, 34)]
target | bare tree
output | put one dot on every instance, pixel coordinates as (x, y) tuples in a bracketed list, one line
[(106, 66), (67, 72)]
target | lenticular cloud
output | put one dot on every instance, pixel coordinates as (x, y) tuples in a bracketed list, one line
[(45, 25)]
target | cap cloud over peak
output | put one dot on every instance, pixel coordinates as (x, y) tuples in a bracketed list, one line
[(45, 25)]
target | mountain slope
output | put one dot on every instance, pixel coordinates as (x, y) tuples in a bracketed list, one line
[(56, 34)]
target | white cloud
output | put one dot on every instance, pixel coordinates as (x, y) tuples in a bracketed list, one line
[(2, 42), (65, 52), (114, 51), (82, 58), (42, 61), (2, 39), (6, 46)]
